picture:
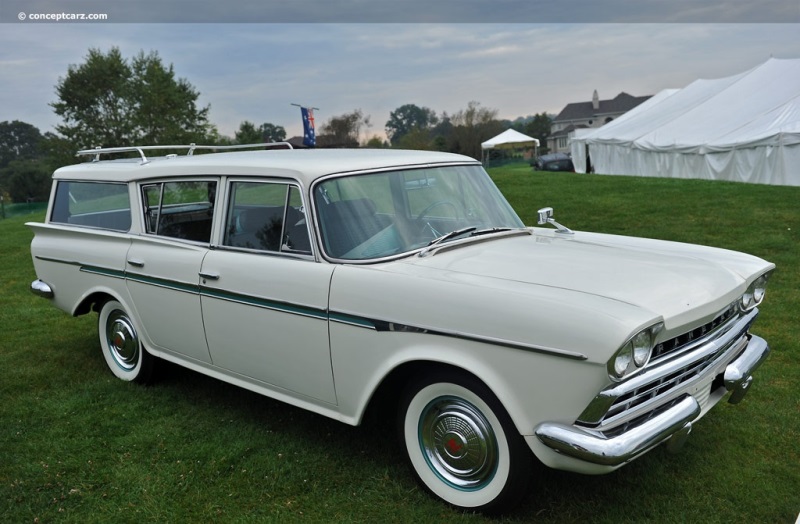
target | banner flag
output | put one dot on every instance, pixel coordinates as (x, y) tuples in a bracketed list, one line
[(309, 136)]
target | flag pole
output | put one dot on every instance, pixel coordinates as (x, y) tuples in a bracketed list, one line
[(307, 107)]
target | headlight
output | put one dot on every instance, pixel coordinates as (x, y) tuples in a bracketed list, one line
[(634, 354), (754, 293)]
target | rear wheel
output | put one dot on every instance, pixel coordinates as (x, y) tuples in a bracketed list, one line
[(122, 348), (462, 444)]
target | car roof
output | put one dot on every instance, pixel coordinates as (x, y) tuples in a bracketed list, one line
[(305, 165), (555, 156)]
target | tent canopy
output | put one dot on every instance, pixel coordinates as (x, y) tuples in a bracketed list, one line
[(509, 139), (743, 128)]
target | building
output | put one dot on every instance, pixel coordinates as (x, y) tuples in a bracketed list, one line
[(584, 115)]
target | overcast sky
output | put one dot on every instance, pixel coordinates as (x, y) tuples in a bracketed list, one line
[(254, 71)]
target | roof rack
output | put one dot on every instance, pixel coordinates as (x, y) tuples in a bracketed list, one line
[(191, 149)]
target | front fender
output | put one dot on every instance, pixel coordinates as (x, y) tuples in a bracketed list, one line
[(532, 387)]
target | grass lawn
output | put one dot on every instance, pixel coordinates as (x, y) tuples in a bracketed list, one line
[(78, 445)]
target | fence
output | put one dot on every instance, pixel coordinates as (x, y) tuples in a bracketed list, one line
[(16, 210)]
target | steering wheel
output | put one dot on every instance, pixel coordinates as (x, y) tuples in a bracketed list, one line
[(427, 225), (436, 204)]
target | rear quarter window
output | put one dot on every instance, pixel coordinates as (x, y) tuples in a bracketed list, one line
[(92, 204)]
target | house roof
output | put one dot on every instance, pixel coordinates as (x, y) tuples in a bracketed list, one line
[(566, 131), (621, 103)]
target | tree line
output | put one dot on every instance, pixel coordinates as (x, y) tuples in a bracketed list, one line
[(112, 101)]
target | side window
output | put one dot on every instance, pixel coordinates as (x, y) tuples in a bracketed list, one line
[(180, 209), (268, 217), (92, 204)]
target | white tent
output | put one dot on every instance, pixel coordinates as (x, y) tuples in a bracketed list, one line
[(743, 128), (509, 139)]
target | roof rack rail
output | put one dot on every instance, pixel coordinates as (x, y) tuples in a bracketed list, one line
[(96, 152)]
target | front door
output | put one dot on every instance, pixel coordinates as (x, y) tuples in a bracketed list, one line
[(264, 297)]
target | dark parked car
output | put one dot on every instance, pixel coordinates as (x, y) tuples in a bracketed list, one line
[(554, 162)]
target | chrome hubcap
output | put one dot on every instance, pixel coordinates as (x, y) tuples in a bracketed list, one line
[(122, 340), (458, 443)]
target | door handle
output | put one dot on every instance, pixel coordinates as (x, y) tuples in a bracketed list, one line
[(136, 262), (210, 275)]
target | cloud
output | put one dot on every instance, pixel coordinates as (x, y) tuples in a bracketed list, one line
[(255, 71)]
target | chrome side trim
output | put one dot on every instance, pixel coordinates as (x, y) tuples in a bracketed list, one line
[(593, 447), (41, 289), (351, 319)]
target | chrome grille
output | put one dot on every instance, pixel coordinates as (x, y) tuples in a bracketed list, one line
[(675, 344), (656, 388), (622, 428)]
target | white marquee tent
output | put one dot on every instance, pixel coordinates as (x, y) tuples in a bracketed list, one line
[(743, 128), (509, 139)]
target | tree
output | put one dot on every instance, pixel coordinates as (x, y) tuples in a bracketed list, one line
[(25, 161), (539, 127), (272, 133), (376, 142), (416, 138), (471, 126), (343, 131), (57, 151), (18, 141), (165, 109), (108, 101), (408, 118), (248, 133), (27, 180)]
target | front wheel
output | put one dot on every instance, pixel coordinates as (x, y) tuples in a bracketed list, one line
[(462, 444), (122, 348)]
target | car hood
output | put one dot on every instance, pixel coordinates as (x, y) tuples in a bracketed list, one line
[(666, 278)]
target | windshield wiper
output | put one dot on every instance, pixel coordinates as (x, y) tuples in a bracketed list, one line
[(473, 231), (451, 234), (489, 231)]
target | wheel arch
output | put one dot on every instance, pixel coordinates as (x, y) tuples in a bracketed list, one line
[(386, 396), (94, 301)]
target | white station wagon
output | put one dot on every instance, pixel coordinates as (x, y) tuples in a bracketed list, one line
[(330, 279)]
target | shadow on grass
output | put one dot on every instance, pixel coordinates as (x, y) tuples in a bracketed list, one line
[(552, 495)]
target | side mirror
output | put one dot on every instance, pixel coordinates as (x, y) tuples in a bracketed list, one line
[(545, 214), (546, 217)]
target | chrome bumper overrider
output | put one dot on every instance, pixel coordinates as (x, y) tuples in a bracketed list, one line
[(674, 423), (41, 289)]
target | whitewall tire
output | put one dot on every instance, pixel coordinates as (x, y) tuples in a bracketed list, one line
[(462, 445), (122, 348)]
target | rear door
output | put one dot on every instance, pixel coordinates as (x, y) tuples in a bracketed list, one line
[(163, 265)]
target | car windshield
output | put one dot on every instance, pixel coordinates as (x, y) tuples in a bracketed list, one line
[(370, 216)]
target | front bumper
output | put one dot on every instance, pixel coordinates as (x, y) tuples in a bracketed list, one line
[(673, 424)]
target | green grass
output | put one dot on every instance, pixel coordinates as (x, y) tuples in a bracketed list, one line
[(77, 445)]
